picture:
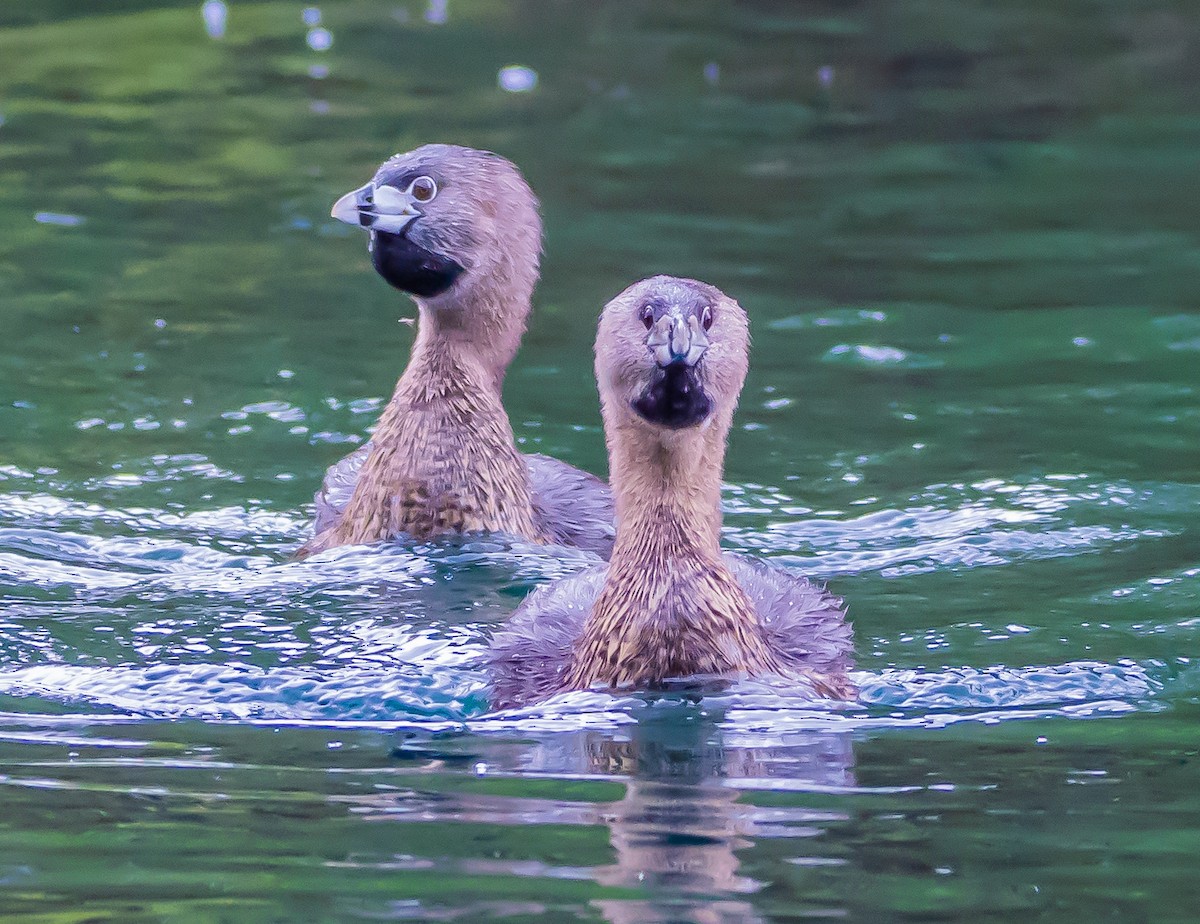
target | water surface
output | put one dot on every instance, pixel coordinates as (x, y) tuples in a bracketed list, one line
[(964, 236)]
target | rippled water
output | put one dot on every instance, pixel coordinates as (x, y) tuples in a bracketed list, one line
[(964, 237)]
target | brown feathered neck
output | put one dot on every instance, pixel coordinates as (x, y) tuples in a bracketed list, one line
[(669, 606), (478, 322), (443, 457), (667, 490), (464, 344)]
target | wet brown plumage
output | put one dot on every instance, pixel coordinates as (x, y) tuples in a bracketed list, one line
[(671, 358), (459, 230)]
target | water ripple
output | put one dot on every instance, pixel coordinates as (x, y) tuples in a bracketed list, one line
[(981, 524), (152, 612), (432, 679)]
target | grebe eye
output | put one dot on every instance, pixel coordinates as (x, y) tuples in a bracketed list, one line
[(706, 317), (647, 316), (423, 188)]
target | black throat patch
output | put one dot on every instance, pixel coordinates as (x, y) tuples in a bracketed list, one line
[(674, 399), (410, 267)]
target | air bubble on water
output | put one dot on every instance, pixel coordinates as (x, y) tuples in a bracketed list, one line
[(58, 218), (215, 14), (516, 78), (319, 39)]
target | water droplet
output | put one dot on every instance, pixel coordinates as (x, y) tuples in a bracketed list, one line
[(319, 39), (58, 218), (438, 12), (215, 14), (825, 75), (311, 16), (516, 78), (712, 73)]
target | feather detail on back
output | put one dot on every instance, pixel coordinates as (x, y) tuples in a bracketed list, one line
[(804, 626), (570, 506), (335, 491)]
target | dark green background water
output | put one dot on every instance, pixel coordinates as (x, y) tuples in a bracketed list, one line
[(966, 234)]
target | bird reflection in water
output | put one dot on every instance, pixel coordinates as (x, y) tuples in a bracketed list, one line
[(677, 832)]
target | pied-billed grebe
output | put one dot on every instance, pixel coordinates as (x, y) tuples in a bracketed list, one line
[(458, 229), (671, 357)]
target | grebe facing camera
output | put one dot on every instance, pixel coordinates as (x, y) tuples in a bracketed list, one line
[(671, 357)]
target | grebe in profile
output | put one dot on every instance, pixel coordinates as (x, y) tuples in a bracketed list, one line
[(671, 357), (457, 229)]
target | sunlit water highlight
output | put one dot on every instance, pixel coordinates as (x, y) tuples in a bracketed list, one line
[(392, 635)]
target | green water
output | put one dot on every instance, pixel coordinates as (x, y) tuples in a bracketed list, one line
[(966, 234)]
